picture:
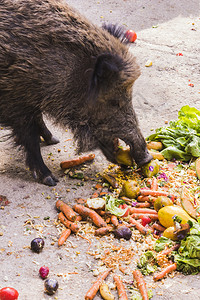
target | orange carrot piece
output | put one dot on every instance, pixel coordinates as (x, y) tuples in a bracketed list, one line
[(103, 231), (169, 250), (67, 210), (93, 215), (145, 199), (164, 272), (83, 237), (136, 210), (154, 217), (76, 161), (91, 293), (141, 284), (114, 220), (78, 218), (138, 225), (143, 205), (154, 184), (158, 227), (146, 192), (63, 237), (99, 187), (74, 227), (120, 288)]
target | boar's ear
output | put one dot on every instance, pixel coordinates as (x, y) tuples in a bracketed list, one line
[(117, 31), (105, 73)]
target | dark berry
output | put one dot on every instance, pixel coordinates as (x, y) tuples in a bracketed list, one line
[(50, 286), (37, 245)]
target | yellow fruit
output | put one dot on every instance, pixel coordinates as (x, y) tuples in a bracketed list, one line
[(150, 169), (130, 189), (166, 213), (188, 203), (123, 157), (162, 201), (169, 233)]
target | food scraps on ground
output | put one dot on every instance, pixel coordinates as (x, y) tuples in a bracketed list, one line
[(44, 272), (50, 286), (142, 217), (37, 245), (76, 161)]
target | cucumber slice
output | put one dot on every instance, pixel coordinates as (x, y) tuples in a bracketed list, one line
[(187, 202)]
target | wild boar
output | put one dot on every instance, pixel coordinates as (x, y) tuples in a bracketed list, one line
[(54, 61)]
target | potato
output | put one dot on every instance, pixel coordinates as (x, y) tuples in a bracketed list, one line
[(105, 292)]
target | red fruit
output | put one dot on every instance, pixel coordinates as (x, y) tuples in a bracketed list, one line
[(8, 293), (44, 271), (146, 220), (131, 36)]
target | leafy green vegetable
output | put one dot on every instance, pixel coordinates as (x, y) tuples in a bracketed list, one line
[(145, 264), (188, 256), (181, 139), (161, 243), (112, 204), (135, 294)]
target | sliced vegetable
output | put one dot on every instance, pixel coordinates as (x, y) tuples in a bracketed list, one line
[(188, 203)]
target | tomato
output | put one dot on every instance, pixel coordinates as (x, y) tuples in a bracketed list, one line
[(8, 293), (124, 206), (146, 220), (131, 36)]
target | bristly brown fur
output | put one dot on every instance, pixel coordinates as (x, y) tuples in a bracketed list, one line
[(54, 61)]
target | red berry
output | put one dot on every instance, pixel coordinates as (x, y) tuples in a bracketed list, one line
[(8, 293), (146, 220), (131, 36), (44, 271)]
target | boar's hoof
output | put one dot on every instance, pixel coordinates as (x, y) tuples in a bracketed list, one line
[(50, 180), (52, 140)]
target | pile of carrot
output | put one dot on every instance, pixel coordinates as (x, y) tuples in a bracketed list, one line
[(76, 161)]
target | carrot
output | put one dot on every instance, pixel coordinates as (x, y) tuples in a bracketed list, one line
[(146, 192), (67, 210), (154, 217), (99, 187), (154, 184), (164, 272), (143, 205), (158, 227), (133, 210), (141, 284), (139, 226), (169, 250), (120, 288), (78, 218), (76, 161), (103, 231), (74, 227), (95, 195), (114, 220), (83, 237), (145, 199), (93, 215), (91, 293), (64, 235)]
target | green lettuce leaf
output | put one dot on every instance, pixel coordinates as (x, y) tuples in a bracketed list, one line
[(112, 204), (181, 139), (161, 243)]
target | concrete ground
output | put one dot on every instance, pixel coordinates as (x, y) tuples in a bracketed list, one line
[(164, 29)]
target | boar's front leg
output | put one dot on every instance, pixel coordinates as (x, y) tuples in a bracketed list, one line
[(30, 140), (45, 133)]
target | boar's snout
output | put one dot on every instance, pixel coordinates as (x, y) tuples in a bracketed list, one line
[(141, 155)]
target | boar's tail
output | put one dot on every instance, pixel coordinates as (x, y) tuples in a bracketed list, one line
[(117, 31)]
